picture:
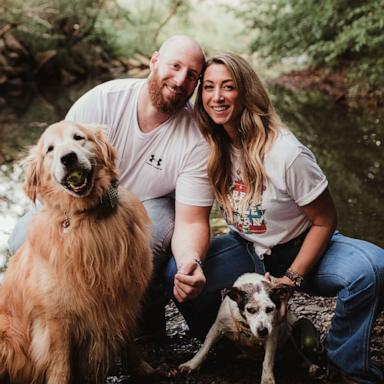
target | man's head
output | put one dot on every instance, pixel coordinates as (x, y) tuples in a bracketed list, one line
[(175, 70)]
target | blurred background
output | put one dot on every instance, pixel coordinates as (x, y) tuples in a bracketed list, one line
[(322, 62)]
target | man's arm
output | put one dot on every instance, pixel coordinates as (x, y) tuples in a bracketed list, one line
[(190, 243)]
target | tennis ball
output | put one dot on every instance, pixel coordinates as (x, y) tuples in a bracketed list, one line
[(76, 178), (310, 342)]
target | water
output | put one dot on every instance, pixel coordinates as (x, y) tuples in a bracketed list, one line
[(348, 144)]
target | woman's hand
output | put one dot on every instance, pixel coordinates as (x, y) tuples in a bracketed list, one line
[(276, 281)]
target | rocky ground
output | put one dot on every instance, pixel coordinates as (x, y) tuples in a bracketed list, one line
[(223, 364)]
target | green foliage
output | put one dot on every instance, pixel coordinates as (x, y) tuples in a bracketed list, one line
[(76, 38), (134, 26), (42, 25), (140, 26), (329, 33)]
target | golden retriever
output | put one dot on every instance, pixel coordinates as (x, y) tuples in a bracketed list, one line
[(72, 292)]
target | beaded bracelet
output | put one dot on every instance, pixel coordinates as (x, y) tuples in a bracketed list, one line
[(294, 276)]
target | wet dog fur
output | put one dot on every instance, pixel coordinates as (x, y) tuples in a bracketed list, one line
[(249, 316), (71, 294)]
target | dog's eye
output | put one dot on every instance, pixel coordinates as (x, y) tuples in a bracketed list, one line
[(50, 148), (268, 309), (251, 310), (78, 137)]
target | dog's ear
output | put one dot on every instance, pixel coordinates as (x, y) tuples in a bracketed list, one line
[(279, 293), (236, 294), (224, 293), (108, 153), (30, 165)]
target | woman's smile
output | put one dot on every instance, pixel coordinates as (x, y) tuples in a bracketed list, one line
[(221, 97)]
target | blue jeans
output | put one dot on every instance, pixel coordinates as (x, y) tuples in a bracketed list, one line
[(351, 269)]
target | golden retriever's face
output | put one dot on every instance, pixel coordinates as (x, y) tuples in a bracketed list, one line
[(68, 158)]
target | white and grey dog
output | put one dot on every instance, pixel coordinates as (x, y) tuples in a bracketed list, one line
[(249, 316)]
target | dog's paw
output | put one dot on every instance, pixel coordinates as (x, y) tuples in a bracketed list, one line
[(188, 367), (268, 379)]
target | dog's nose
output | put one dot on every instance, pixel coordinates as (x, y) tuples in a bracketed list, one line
[(262, 331), (69, 159)]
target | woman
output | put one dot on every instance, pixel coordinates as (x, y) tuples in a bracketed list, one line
[(282, 218)]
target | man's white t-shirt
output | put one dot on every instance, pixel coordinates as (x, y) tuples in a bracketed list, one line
[(170, 160), (294, 180)]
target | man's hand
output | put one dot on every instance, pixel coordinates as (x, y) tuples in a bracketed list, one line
[(189, 281), (189, 243)]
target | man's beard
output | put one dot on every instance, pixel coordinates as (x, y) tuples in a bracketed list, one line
[(170, 106)]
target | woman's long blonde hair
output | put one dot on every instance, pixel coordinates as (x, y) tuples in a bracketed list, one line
[(257, 129)]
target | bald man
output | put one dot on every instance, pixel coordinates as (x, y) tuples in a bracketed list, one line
[(162, 159)]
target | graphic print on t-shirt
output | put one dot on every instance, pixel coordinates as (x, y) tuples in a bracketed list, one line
[(251, 219)]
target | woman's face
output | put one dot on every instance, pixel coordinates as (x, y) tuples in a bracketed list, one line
[(221, 98)]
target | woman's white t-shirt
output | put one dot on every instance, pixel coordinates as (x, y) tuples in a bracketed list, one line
[(294, 180)]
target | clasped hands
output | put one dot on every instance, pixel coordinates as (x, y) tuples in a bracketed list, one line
[(189, 281)]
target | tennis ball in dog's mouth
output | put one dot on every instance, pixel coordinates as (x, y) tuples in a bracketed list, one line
[(310, 342), (76, 178)]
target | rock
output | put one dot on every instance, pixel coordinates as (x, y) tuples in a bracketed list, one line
[(43, 58), (13, 44), (3, 59)]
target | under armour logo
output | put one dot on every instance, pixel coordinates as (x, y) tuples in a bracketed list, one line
[(155, 162)]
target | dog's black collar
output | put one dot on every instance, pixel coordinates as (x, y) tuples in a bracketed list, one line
[(111, 195), (243, 329)]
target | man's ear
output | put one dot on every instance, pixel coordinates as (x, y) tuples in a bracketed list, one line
[(154, 59), (236, 294), (30, 165), (279, 293)]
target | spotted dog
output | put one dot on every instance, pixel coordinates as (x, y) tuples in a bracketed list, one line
[(249, 316)]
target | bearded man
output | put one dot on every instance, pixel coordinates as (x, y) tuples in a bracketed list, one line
[(162, 159)]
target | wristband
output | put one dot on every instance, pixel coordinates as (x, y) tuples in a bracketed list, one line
[(295, 277)]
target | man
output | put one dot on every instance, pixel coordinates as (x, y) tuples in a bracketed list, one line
[(161, 153)]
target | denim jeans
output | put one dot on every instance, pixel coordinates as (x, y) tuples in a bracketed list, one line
[(352, 270), (161, 211), (19, 233)]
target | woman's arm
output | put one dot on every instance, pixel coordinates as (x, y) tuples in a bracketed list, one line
[(322, 214)]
